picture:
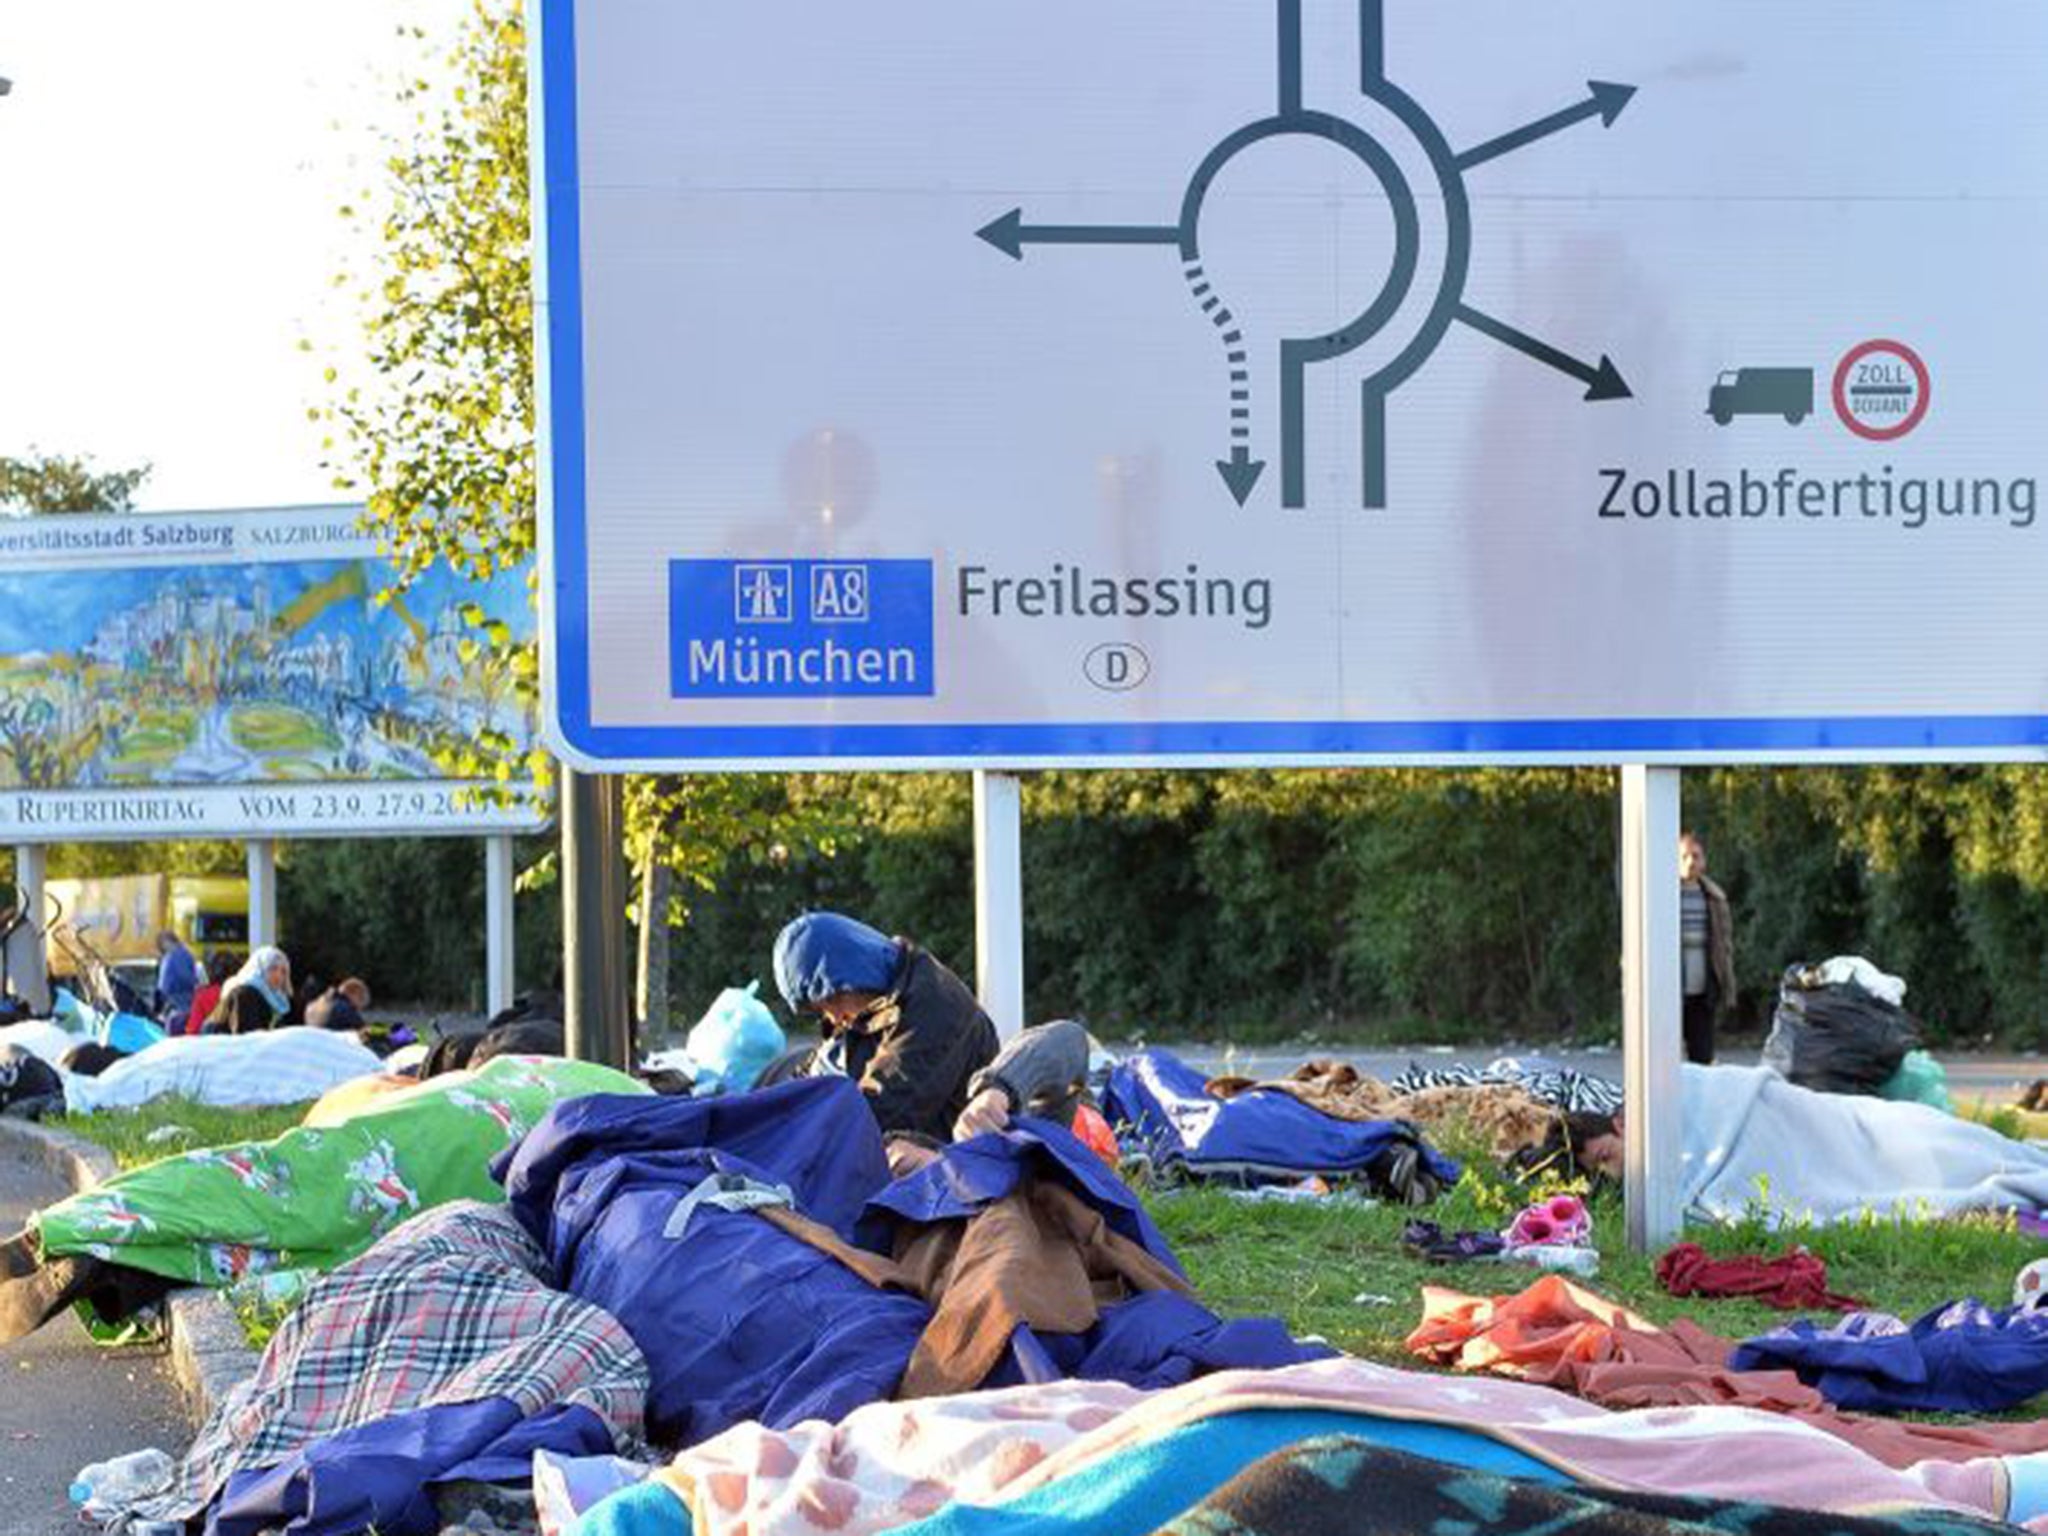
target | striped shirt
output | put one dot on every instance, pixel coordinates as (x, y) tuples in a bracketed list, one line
[(1692, 933)]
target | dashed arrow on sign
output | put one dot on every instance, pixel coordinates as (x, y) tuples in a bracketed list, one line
[(1241, 473)]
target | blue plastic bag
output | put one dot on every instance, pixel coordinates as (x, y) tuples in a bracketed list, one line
[(71, 1015), (733, 1044), (129, 1033)]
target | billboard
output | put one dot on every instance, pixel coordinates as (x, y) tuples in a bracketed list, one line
[(1292, 381), (240, 674)]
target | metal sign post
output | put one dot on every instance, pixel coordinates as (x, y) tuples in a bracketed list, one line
[(999, 898), (1650, 1004), (28, 958), (499, 908), (596, 986), (262, 856)]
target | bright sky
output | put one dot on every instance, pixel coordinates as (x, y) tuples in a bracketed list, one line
[(169, 180)]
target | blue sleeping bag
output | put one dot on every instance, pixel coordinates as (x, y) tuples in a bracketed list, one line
[(741, 1320), (738, 1319), (1160, 1101)]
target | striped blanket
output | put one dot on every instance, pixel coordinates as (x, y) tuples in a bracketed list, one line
[(1565, 1088)]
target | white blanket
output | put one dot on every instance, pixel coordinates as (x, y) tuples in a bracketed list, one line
[(39, 1037), (281, 1066), (1823, 1156)]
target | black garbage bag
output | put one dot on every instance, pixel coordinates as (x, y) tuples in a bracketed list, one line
[(1836, 1037)]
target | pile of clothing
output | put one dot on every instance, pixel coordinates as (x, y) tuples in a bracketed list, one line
[(1961, 1358), (1555, 1233), (604, 1302), (756, 1314)]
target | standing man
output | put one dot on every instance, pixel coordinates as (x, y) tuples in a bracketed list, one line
[(177, 978), (1708, 943)]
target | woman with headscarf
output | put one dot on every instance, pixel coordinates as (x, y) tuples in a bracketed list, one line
[(255, 997)]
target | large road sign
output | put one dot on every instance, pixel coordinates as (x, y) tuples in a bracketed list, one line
[(1281, 380)]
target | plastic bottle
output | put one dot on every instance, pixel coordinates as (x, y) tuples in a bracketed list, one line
[(108, 1488)]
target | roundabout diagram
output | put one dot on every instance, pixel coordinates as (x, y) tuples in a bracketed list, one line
[(1422, 294)]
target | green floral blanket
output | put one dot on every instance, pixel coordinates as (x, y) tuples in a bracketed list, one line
[(312, 1199)]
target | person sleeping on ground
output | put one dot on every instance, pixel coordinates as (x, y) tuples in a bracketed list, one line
[(1751, 1139), (912, 1035)]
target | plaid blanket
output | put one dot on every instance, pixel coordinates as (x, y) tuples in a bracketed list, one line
[(1574, 1092), (452, 1307)]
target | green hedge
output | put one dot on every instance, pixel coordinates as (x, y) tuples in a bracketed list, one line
[(407, 915), (1400, 904), (1425, 905)]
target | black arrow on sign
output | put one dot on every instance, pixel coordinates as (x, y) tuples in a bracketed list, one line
[(1605, 103), (1603, 382), (1010, 234), (1241, 473)]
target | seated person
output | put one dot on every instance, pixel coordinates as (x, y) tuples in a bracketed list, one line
[(220, 965), (340, 1007), (255, 997), (909, 1031), (177, 979)]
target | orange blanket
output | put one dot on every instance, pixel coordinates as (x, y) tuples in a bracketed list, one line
[(1562, 1335)]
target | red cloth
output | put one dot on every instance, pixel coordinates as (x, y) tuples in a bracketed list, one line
[(202, 1005), (1095, 1133), (1795, 1280)]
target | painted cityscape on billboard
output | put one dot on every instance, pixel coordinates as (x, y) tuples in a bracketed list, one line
[(309, 671)]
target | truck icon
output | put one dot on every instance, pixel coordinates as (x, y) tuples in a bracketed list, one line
[(1786, 392)]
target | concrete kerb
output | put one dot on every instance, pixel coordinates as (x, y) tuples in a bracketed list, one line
[(209, 1353)]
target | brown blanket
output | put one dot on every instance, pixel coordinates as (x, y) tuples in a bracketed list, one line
[(1510, 1119), (1041, 1257)]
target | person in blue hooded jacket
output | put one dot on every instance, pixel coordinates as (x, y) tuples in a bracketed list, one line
[(912, 1034)]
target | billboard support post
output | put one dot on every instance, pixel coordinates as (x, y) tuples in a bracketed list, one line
[(999, 898), (596, 984), (262, 856), (1650, 1004), (28, 959), (498, 928)]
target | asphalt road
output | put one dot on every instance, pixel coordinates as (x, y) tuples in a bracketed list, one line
[(1997, 1079), (64, 1401)]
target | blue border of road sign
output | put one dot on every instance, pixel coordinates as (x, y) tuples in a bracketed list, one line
[(566, 715)]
